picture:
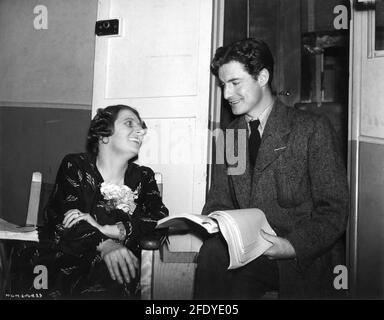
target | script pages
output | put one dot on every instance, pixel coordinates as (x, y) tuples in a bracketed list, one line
[(11, 231), (182, 222), (241, 229)]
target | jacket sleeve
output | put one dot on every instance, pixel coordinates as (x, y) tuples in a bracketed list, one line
[(313, 236), (219, 196)]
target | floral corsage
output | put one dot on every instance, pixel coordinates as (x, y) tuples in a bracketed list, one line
[(119, 197)]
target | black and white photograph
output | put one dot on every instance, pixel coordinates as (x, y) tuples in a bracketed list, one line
[(191, 155)]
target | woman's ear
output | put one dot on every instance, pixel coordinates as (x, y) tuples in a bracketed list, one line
[(263, 77)]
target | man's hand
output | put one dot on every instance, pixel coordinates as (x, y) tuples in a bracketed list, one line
[(281, 249), (121, 262)]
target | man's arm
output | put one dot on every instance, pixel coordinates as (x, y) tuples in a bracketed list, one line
[(314, 236), (219, 196)]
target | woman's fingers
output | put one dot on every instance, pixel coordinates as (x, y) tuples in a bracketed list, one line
[(71, 217), (74, 221), (125, 268), (129, 258), (134, 259), (75, 216), (69, 214), (116, 269), (122, 265), (108, 262)]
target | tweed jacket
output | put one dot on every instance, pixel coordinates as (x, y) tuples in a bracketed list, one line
[(299, 181)]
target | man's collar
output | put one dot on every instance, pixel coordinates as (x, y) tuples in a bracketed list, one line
[(263, 117)]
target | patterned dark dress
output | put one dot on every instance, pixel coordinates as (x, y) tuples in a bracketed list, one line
[(75, 268)]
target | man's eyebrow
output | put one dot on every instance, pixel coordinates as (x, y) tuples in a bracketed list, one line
[(231, 80)]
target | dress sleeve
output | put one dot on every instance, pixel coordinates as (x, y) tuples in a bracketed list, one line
[(68, 194), (149, 210)]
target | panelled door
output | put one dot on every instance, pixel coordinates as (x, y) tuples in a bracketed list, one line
[(159, 64)]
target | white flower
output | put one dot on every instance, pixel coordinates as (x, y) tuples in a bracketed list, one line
[(122, 197)]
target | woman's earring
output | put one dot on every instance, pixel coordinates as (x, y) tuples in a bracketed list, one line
[(105, 140)]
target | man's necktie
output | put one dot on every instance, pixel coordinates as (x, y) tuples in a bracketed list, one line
[(254, 141)]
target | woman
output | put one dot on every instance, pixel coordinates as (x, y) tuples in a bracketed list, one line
[(102, 203)]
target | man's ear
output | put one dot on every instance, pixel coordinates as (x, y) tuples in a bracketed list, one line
[(263, 77)]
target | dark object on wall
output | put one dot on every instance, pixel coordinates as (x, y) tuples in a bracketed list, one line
[(361, 5), (107, 27)]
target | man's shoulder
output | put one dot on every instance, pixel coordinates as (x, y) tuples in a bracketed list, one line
[(302, 119)]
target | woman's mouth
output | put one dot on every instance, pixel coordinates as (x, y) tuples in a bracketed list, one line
[(135, 140)]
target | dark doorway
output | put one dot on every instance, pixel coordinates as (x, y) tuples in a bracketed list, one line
[(310, 43)]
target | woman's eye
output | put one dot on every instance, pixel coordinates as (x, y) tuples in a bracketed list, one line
[(235, 83), (129, 123)]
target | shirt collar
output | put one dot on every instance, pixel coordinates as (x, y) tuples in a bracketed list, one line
[(263, 117)]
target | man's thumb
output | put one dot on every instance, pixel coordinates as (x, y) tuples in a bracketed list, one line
[(266, 236)]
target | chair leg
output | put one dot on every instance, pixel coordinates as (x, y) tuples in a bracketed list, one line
[(4, 270), (146, 274)]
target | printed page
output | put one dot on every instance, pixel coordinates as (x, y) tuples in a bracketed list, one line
[(181, 222), (241, 229)]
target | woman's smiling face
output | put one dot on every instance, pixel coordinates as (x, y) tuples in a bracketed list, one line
[(128, 134)]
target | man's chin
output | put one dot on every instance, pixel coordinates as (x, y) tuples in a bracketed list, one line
[(236, 111)]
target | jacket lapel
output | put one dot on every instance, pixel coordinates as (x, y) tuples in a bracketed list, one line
[(241, 183), (273, 141)]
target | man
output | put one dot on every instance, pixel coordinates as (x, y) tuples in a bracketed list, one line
[(294, 174)]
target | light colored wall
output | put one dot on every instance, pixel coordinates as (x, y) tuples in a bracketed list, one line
[(45, 92), (53, 65)]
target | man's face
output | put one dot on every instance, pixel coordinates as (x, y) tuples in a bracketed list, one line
[(242, 91)]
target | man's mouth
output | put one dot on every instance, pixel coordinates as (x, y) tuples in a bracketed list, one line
[(234, 102)]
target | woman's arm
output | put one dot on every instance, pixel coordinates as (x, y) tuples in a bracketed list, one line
[(69, 198), (149, 210), (67, 194), (74, 216)]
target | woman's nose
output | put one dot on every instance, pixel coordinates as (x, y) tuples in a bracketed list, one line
[(140, 131)]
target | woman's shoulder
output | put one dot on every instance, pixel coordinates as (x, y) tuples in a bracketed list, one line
[(77, 159), (143, 170)]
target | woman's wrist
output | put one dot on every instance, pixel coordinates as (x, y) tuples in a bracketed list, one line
[(122, 231), (116, 231)]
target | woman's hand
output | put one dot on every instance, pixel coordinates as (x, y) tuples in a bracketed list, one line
[(121, 262), (73, 216)]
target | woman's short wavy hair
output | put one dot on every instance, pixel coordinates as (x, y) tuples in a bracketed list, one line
[(103, 124), (255, 55)]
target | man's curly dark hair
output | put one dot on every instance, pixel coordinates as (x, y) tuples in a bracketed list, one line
[(103, 124), (255, 55)]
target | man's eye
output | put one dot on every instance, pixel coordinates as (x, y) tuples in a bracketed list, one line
[(235, 83)]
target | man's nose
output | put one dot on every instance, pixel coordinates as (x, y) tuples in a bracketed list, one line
[(227, 92)]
